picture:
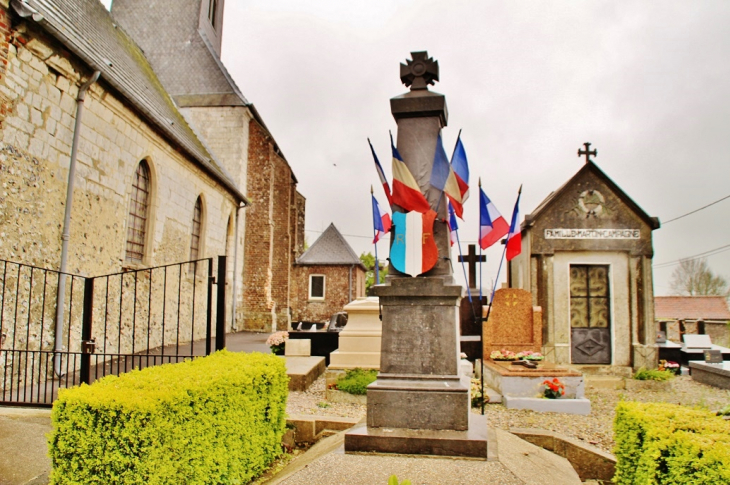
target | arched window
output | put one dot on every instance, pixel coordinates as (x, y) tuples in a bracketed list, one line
[(138, 211), (212, 6), (197, 225)]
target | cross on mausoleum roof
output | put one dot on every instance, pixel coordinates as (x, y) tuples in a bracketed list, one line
[(587, 152), (419, 72)]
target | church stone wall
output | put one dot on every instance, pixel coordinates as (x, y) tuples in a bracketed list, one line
[(41, 84), (273, 229)]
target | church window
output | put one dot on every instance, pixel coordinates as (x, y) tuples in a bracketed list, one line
[(197, 224), (138, 211), (212, 6), (589, 296), (316, 287)]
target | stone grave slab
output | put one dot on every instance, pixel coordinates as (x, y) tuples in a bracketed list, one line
[(514, 324)]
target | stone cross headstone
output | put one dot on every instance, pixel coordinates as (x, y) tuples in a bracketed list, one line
[(514, 324)]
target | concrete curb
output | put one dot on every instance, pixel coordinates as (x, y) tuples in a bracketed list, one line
[(589, 463)]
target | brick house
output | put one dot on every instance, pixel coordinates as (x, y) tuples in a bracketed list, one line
[(328, 276), (677, 315), (183, 45)]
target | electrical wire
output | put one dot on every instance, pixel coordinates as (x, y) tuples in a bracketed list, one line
[(696, 210)]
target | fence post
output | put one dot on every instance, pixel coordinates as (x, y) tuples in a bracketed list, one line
[(209, 316), (220, 313), (87, 345)]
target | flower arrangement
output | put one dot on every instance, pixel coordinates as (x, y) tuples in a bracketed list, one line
[(503, 355), (553, 388), (669, 365), (277, 342), (476, 394), (530, 355)]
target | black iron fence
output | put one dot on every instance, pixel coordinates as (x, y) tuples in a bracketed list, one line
[(104, 325)]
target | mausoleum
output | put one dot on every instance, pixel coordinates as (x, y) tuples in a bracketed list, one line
[(587, 260)]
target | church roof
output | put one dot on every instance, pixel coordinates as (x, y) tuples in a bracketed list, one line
[(330, 248), (691, 308), (652, 222), (86, 28)]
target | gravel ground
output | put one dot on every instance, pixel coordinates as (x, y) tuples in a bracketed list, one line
[(595, 429)]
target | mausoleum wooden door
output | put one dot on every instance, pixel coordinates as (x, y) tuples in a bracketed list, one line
[(590, 315)]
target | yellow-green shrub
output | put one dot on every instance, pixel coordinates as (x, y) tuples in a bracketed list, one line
[(670, 444), (217, 419)]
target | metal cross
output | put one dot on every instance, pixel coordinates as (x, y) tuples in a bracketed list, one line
[(587, 152), (472, 259)]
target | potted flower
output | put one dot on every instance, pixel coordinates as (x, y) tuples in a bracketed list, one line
[(277, 342), (670, 366), (554, 389), (477, 399)]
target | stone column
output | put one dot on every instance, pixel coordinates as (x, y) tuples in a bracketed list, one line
[(419, 385)]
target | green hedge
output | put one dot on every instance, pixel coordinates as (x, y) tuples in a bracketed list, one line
[(670, 444), (217, 419)]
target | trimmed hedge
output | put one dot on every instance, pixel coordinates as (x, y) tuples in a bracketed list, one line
[(217, 419), (670, 444)]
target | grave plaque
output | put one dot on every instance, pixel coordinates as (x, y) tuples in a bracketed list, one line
[(713, 356)]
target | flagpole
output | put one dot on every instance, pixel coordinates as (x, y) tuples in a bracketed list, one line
[(479, 231), (461, 258), (375, 243)]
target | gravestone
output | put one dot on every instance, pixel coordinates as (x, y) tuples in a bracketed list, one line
[(419, 403), (514, 324), (360, 339)]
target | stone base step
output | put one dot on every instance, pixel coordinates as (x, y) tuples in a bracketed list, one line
[(303, 371)]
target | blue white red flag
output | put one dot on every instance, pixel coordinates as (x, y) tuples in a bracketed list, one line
[(381, 174), (413, 249), (514, 240), (453, 226), (492, 226), (381, 220), (461, 169), (406, 192), (443, 178)]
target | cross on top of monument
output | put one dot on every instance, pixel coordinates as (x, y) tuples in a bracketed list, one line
[(419, 72), (587, 152)]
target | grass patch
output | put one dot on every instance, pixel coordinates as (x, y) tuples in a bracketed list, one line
[(653, 375), (356, 381)]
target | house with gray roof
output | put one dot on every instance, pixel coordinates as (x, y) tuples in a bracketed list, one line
[(329, 275)]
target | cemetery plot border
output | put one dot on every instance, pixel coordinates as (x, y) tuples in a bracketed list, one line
[(110, 324)]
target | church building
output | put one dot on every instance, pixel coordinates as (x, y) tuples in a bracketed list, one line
[(587, 260)]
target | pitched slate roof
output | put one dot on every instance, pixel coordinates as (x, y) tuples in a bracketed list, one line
[(691, 308), (652, 222), (330, 248), (87, 30)]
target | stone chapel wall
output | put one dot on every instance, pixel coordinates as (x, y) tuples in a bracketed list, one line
[(337, 291), (41, 84)]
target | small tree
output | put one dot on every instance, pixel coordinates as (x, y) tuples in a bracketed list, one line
[(694, 278), (369, 261)]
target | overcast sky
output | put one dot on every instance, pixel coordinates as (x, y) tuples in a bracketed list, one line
[(646, 82)]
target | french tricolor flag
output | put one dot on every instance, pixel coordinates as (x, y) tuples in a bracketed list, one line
[(461, 169), (453, 226), (381, 174), (514, 240), (492, 226), (381, 220), (406, 192)]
